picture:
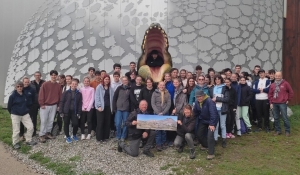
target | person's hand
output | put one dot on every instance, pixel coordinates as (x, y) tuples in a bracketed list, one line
[(184, 91), (61, 115), (287, 102), (174, 111), (234, 109), (214, 99), (211, 128), (78, 116), (85, 109), (43, 107), (271, 106), (134, 122), (160, 114), (179, 122), (145, 135), (99, 109)]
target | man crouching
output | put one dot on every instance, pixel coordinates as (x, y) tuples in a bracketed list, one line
[(135, 135)]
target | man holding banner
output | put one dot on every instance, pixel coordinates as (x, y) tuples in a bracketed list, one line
[(135, 135)]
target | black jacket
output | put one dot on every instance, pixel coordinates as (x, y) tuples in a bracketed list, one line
[(158, 62), (134, 96), (65, 102), (245, 95), (18, 104), (37, 90), (146, 94), (133, 132), (225, 99), (188, 125), (232, 98), (30, 92)]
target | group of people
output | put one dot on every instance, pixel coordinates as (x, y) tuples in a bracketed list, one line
[(208, 106)]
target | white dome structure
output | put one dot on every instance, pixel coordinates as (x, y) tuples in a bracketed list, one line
[(72, 35)]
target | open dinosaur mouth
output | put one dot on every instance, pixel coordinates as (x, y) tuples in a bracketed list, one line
[(155, 38)]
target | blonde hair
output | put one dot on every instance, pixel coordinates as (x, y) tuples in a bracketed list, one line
[(162, 94)]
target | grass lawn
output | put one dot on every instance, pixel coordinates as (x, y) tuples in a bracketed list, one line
[(255, 153)]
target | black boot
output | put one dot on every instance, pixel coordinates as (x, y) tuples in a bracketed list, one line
[(180, 149), (224, 143), (192, 154), (119, 146)]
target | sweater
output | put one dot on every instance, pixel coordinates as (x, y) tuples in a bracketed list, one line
[(114, 85), (18, 104), (88, 97), (244, 95), (134, 96), (285, 94), (66, 100), (99, 97), (192, 98), (261, 83), (157, 105), (146, 94), (121, 99), (50, 94)]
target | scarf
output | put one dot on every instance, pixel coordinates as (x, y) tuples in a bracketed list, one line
[(277, 89), (204, 98)]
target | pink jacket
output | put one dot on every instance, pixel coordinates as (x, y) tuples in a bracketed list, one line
[(88, 97)]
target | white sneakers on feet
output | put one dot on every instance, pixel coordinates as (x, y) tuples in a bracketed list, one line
[(82, 137), (88, 137)]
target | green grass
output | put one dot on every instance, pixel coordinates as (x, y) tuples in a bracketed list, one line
[(75, 158), (257, 153)]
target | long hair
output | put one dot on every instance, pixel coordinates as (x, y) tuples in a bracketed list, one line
[(190, 108), (188, 87), (105, 76)]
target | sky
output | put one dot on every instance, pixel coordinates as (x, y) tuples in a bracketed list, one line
[(154, 117)]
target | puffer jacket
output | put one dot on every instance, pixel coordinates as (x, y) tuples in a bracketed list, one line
[(180, 100), (157, 105), (207, 113), (188, 125)]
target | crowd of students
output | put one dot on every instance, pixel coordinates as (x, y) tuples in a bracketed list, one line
[(208, 106)]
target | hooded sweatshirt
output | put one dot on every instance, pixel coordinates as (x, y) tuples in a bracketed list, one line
[(88, 97), (18, 104), (204, 88)]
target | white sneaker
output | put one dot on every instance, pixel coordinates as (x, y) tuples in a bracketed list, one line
[(88, 137), (82, 137)]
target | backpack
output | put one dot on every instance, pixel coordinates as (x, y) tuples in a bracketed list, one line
[(55, 127), (243, 126)]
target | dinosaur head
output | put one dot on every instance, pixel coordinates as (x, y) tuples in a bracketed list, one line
[(155, 39)]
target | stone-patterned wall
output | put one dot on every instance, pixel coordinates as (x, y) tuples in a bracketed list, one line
[(72, 35)]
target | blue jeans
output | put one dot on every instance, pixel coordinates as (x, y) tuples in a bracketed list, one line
[(223, 126), (121, 128), (277, 109), (160, 137)]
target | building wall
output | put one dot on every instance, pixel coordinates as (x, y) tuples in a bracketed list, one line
[(71, 36)]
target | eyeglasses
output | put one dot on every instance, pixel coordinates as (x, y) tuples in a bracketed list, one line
[(19, 86)]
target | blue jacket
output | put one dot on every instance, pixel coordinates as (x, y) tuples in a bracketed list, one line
[(18, 104), (208, 114), (204, 88), (99, 97), (266, 89), (171, 89)]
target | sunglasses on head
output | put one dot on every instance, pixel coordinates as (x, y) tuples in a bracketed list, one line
[(19, 86)]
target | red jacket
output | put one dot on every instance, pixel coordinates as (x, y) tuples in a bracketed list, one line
[(286, 93)]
